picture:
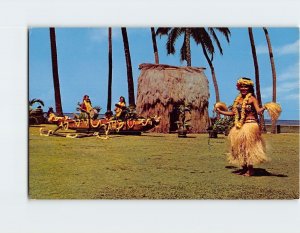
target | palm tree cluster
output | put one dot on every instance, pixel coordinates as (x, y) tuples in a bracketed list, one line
[(202, 36), (34, 101), (257, 79), (36, 115), (207, 38)]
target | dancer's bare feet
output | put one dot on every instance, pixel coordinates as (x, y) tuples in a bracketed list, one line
[(244, 170), (250, 171)]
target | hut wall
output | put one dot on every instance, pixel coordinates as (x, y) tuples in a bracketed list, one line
[(161, 87)]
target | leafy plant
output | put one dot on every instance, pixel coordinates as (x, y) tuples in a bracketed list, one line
[(33, 101), (97, 108), (183, 122), (130, 112), (36, 115), (94, 112), (223, 125)]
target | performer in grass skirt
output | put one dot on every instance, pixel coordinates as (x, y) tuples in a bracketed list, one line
[(247, 144)]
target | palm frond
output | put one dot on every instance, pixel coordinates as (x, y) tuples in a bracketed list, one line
[(196, 35), (98, 108), (161, 31), (183, 50), (172, 37), (33, 101), (200, 35), (205, 53), (212, 32), (226, 32), (207, 42)]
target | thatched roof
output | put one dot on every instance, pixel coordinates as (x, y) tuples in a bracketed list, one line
[(146, 66), (167, 84)]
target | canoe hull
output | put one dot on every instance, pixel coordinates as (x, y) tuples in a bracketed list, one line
[(129, 126)]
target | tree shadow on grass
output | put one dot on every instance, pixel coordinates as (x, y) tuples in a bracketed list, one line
[(187, 136), (148, 135), (145, 134), (257, 172)]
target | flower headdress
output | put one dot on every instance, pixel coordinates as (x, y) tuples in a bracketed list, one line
[(244, 81)]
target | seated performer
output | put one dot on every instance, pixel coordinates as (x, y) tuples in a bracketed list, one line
[(52, 118), (50, 114), (85, 107), (120, 108)]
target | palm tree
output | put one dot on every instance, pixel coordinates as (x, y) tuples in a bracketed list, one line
[(129, 68), (154, 45), (33, 101), (185, 50), (58, 104), (36, 116), (256, 68), (173, 34), (212, 70), (109, 69), (202, 37), (273, 73)]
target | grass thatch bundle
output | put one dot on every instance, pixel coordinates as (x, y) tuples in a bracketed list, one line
[(221, 105), (163, 87), (274, 110)]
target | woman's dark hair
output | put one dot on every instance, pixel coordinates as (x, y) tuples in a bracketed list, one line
[(251, 90), (246, 78), (88, 100), (123, 99)]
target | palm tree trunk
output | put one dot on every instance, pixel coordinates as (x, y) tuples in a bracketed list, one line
[(109, 69), (213, 75), (58, 104), (154, 45), (129, 68), (257, 83), (274, 129), (188, 46)]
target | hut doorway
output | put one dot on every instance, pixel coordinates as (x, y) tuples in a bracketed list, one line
[(174, 117)]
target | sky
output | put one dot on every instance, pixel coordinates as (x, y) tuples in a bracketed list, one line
[(83, 64)]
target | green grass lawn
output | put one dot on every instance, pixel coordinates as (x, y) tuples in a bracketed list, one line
[(156, 166)]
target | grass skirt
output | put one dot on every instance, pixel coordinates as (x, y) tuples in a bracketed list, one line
[(247, 145)]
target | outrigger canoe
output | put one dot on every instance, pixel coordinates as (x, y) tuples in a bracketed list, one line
[(90, 127)]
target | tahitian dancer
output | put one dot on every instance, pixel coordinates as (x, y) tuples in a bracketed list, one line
[(247, 144)]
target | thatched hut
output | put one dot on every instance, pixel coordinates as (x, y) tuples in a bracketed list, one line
[(162, 88)]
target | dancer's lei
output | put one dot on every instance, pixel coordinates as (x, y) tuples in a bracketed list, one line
[(239, 122), (88, 105)]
